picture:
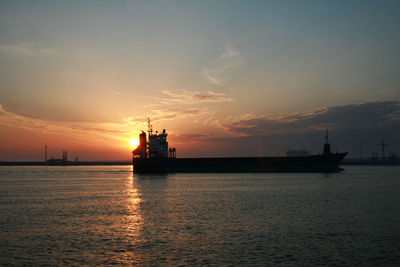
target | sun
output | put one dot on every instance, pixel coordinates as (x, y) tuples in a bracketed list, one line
[(134, 143)]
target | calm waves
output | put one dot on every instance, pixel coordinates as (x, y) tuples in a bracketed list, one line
[(107, 215)]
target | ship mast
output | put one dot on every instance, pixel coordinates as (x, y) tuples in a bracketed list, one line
[(326, 137), (149, 127), (327, 146)]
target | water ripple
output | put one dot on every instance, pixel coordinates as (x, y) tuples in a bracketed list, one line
[(107, 216)]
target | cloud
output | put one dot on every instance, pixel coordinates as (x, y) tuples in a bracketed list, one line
[(170, 114), (77, 130), (188, 97), (247, 135), (346, 117), (96, 130), (25, 49), (353, 126), (216, 70), (115, 92)]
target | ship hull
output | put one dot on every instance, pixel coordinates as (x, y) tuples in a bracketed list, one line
[(314, 163)]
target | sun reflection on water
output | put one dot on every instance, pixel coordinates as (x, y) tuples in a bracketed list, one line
[(133, 221), (145, 214), (129, 237)]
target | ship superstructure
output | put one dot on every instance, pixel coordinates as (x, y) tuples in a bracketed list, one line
[(155, 146)]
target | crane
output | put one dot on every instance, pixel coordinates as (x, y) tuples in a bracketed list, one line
[(383, 145)]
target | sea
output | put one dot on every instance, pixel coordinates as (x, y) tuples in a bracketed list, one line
[(107, 215)]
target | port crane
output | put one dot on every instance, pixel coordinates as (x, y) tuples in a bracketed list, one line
[(383, 145)]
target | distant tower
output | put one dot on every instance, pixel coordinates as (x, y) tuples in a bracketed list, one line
[(383, 148), (65, 155)]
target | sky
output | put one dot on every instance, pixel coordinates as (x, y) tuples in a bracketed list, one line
[(225, 78)]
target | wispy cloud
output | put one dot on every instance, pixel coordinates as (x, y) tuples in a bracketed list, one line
[(188, 97), (355, 116), (216, 70), (25, 49), (77, 130), (115, 92), (170, 114), (96, 130)]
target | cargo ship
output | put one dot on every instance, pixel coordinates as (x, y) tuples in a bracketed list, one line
[(153, 156)]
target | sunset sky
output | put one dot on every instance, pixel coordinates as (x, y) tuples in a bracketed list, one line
[(224, 77)]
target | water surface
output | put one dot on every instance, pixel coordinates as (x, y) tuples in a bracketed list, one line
[(104, 215)]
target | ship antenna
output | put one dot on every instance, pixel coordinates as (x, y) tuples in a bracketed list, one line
[(327, 146)]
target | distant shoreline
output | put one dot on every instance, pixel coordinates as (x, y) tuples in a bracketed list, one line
[(70, 163), (346, 162), (371, 162)]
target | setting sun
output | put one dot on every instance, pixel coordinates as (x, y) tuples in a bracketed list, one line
[(133, 142)]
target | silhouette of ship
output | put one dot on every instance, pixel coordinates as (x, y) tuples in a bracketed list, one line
[(153, 156)]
